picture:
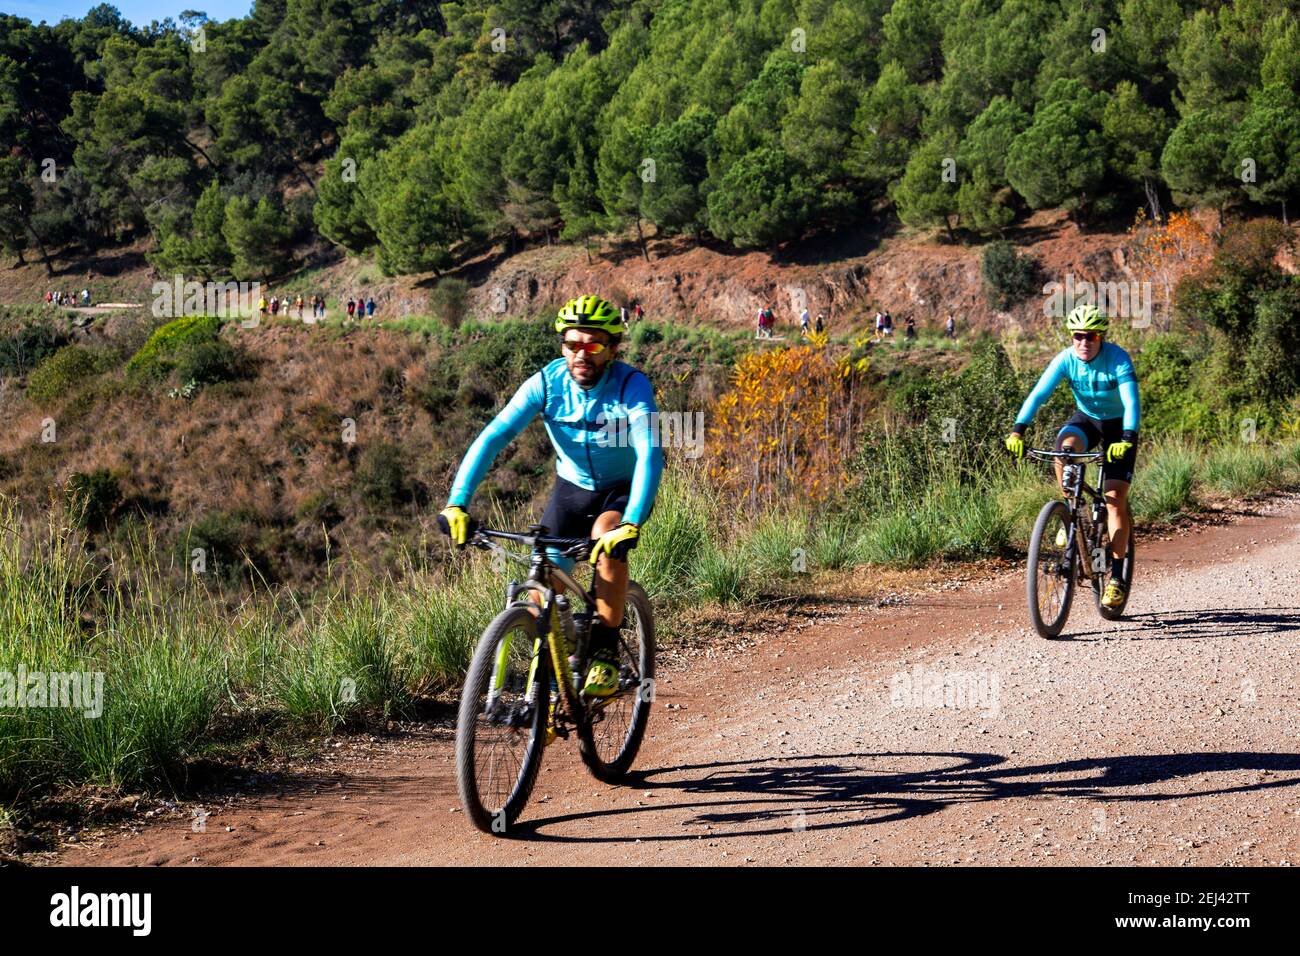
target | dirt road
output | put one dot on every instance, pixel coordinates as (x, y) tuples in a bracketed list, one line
[(938, 732)]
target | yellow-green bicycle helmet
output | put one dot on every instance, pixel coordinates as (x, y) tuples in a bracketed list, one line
[(1087, 318), (589, 312)]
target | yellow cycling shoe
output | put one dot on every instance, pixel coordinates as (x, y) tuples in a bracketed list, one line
[(602, 677), (1114, 594)]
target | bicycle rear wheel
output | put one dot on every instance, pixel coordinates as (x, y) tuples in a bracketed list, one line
[(610, 733), (1050, 586), (501, 727)]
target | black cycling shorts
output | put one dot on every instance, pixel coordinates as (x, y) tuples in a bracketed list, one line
[(572, 509), (1106, 432)]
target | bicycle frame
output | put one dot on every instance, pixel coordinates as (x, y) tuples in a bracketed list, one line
[(1077, 490), (553, 614)]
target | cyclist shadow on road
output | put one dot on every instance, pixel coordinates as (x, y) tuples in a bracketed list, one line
[(1191, 625), (778, 796)]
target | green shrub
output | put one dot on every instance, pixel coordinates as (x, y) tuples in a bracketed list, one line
[(159, 355), (229, 541), (209, 362), (382, 477), (1170, 405), (92, 498), (58, 375), (27, 346), (1273, 357), (449, 301), (1009, 277)]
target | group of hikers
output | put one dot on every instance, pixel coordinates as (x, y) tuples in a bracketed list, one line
[(358, 308), (767, 321), (67, 299), (884, 324)]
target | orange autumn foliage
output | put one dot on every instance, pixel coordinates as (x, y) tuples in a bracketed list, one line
[(1163, 252), (786, 425)]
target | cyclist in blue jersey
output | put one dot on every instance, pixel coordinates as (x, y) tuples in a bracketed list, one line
[(597, 413), (1105, 389)]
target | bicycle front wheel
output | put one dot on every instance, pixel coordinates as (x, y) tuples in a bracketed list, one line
[(501, 727), (610, 733), (1051, 570)]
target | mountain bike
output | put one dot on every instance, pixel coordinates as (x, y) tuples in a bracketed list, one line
[(1071, 544), (524, 686)]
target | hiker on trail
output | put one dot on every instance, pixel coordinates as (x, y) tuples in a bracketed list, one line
[(275, 305), (85, 297), (821, 323), (640, 313), (950, 328), (622, 314), (884, 324), (261, 305), (49, 297), (804, 320), (297, 305), (910, 331), (352, 307), (370, 306)]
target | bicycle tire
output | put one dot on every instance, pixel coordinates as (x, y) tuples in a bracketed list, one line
[(498, 820), (615, 769), (1049, 628)]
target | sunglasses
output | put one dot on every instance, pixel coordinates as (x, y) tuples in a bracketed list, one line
[(1085, 336), (591, 348)]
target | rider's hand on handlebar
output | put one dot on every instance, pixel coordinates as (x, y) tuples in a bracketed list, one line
[(455, 522), (617, 542), (1016, 445), (1117, 450)]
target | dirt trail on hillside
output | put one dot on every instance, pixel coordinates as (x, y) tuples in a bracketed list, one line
[(1171, 737)]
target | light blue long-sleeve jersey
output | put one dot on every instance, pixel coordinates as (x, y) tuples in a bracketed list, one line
[(603, 435), (1104, 388)]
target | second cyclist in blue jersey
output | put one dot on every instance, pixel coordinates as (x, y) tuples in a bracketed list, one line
[(597, 412), (1107, 413)]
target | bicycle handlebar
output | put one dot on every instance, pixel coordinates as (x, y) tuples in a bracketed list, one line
[(1086, 457), (577, 548)]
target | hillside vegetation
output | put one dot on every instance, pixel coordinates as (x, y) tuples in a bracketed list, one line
[(421, 132)]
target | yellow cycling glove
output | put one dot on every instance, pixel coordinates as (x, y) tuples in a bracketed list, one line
[(1118, 450), (617, 542), (454, 521), (1016, 445)]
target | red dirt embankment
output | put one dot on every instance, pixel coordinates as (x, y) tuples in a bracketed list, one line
[(848, 277)]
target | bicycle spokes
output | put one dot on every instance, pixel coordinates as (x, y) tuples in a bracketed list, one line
[(505, 719)]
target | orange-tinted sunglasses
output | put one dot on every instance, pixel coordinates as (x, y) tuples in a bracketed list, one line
[(591, 348)]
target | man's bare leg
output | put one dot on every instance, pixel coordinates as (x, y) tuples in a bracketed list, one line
[(611, 575), (1116, 493)]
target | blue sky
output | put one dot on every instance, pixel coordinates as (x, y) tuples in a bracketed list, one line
[(139, 12)]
